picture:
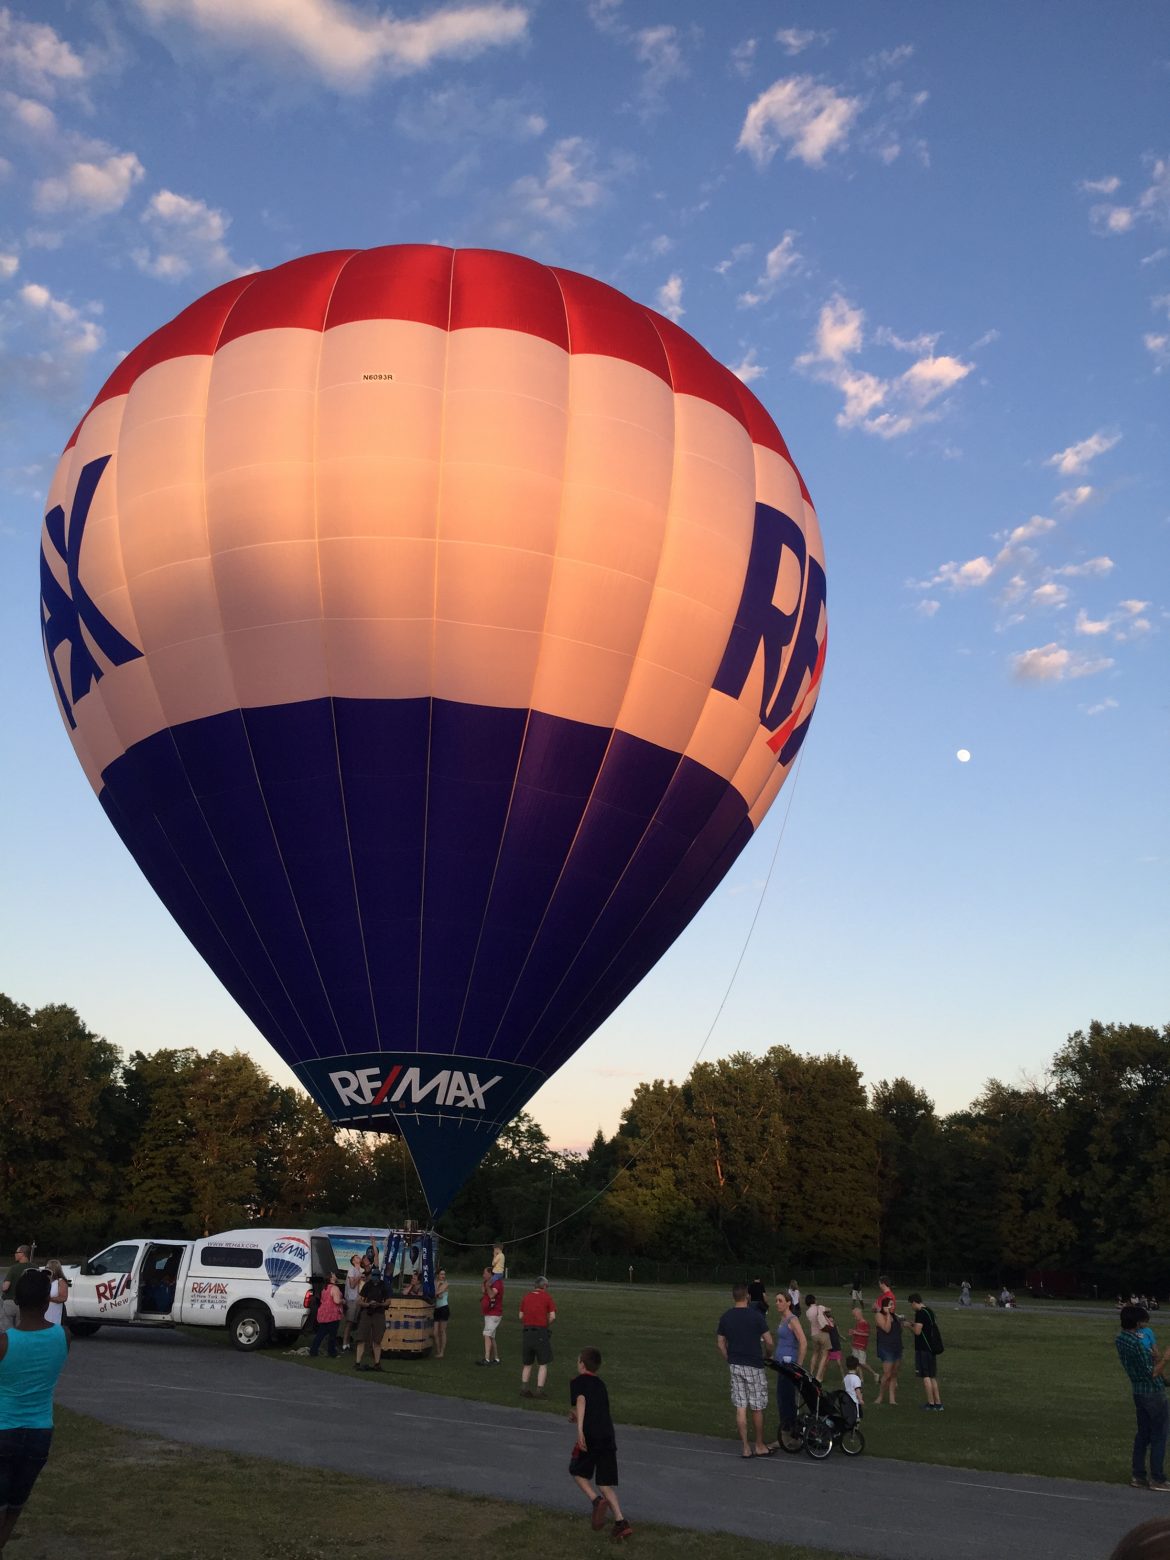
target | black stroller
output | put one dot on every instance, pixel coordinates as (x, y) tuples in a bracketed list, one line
[(823, 1419)]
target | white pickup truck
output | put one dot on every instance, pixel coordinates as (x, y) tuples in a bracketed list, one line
[(256, 1283)]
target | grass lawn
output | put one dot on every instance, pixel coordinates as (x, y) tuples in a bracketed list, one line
[(1024, 1392), (110, 1495)]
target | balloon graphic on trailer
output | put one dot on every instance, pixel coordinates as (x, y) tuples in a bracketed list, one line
[(436, 628)]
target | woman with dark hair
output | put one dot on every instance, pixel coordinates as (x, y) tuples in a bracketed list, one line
[(31, 1356), (791, 1347), (889, 1349)]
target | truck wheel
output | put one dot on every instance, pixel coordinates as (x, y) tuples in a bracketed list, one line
[(250, 1327), (83, 1329)]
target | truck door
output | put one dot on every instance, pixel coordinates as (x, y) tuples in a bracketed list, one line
[(106, 1288), (157, 1281)]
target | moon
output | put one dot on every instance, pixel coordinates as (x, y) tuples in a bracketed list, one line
[(963, 756)]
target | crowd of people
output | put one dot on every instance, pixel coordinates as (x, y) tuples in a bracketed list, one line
[(748, 1344), (796, 1334)]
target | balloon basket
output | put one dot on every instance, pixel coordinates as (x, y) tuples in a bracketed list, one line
[(410, 1328)]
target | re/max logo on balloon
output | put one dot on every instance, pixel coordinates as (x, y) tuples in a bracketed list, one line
[(406, 1086), (763, 628)]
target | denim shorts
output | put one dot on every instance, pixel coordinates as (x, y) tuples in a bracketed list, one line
[(23, 1453)]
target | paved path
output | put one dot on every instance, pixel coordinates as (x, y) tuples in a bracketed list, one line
[(167, 1385)]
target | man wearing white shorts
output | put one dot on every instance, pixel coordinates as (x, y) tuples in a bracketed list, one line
[(492, 1306), (742, 1337)]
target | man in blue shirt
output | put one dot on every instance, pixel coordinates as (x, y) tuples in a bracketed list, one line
[(1144, 1370), (740, 1337)]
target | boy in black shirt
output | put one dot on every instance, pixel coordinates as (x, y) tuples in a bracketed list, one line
[(595, 1451)]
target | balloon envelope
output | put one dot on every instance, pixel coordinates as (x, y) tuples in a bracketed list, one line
[(435, 628)]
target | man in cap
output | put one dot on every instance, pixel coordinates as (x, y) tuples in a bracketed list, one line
[(537, 1314)]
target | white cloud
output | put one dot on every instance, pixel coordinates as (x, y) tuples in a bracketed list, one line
[(1050, 594), (457, 113), (1092, 567), (889, 59), (739, 252), (9, 265), (743, 56), (347, 45), (794, 40), (187, 235), (1092, 627), (1053, 663), (811, 119), (1076, 458), (1106, 186), (1073, 498), (35, 117), (1158, 346), (31, 52), (962, 576), (1154, 257), (1038, 525), (1152, 205), (928, 608), (1126, 623), (660, 50), (75, 333), (886, 407), (573, 183), (782, 261), (1100, 709), (91, 187), (669, 297), (747, 369)]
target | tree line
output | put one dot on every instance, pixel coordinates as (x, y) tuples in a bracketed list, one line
[(784, 1160)]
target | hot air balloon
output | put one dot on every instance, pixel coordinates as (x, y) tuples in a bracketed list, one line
[(286, 1258), (435, 628)]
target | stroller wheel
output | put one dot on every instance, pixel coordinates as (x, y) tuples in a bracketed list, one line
[(818, 1439), (852, 1442)]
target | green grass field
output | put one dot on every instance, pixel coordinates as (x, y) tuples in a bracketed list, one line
[(1024, 1392), (110, 1495)]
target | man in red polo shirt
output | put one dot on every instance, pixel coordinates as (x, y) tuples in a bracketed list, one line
[(537, 1314)]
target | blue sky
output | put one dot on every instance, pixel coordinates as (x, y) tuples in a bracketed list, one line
[(936, 241)]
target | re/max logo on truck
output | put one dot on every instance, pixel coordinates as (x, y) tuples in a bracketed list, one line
[(448, 1087)]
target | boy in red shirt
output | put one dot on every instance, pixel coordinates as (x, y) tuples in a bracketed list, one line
[(537, 1314)]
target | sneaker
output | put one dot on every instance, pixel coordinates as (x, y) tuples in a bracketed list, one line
[(1161, 1485), (598, 1514), (493, 1362), (525, 1391), (1138, 1484), (483, 1362), (540, 1392), (621, 1529)]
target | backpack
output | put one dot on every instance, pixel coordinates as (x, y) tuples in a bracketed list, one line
[(931, 1331)]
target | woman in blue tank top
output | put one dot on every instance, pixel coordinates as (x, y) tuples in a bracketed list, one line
[(790, 1349), (31, 1356)]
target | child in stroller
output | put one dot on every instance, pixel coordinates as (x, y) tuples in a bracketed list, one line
[(823, 1419)]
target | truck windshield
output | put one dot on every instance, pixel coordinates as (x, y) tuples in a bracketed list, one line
[(115, 1259)]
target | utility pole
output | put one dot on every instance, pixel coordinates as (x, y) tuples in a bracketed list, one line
[(548, 1216)]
